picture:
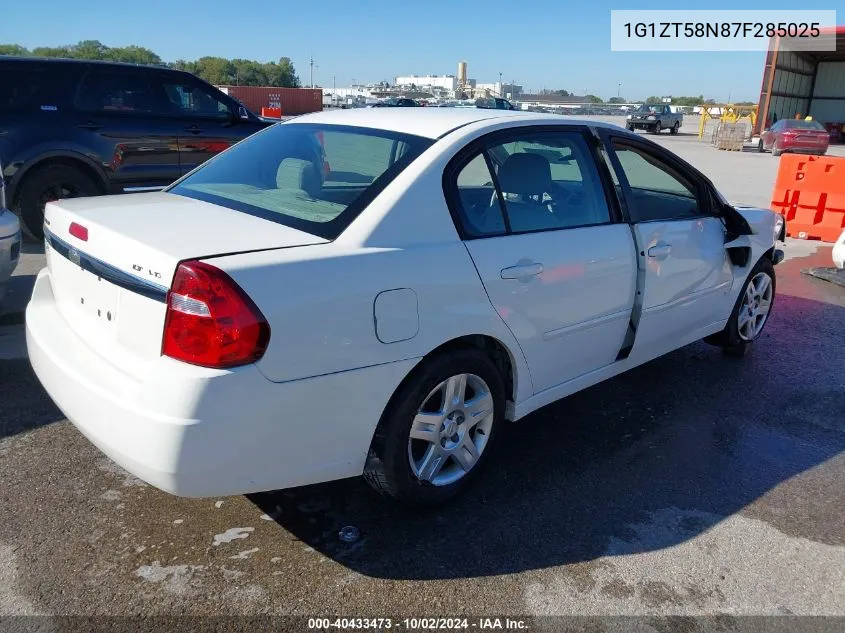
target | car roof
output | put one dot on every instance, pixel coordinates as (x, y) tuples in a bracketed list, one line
[(67, 60), (430, 123)]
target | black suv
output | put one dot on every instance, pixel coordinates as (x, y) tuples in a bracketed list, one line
[(78, 128)]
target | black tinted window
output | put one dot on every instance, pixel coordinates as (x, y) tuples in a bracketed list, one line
[(797, 124), (113, 91), (23, 88), (185, 97)]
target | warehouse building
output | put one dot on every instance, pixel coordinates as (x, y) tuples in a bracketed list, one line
[(806, 82)]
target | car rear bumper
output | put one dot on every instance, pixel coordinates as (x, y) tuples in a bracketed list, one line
[(804, 147), (199, 432)]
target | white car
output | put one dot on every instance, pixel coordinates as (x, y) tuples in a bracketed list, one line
[(839, 252), (10, 240), (385, 305)]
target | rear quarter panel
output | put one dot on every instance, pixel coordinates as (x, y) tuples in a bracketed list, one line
[(320, 304)]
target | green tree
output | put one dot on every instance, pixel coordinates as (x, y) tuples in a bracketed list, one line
[(89, 49), (133, 55), (249, 73), (593, 99), (215, 70), (616, 100), (13, 49), (563, 93), (53, 51)]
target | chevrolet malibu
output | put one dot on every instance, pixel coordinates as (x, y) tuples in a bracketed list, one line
[(382, 293)]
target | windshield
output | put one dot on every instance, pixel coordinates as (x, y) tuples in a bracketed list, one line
[(315, 178), (647, 108), (796, 124)]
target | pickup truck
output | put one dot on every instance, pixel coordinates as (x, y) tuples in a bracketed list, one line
[(655, 118)]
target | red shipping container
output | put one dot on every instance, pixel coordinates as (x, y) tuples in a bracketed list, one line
[(290, 100)]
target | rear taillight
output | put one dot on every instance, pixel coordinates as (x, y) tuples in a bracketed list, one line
[(211, 321)]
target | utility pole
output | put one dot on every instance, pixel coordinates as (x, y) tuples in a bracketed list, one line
[(312, 65), (501, 87), (618, 89)]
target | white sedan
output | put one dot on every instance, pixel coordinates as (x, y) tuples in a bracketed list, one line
[(839, 252), (382, 292)]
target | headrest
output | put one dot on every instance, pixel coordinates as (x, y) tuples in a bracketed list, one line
[(525, 174), (295, 173)]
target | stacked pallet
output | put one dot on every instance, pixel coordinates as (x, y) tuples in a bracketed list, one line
[(730, 136)]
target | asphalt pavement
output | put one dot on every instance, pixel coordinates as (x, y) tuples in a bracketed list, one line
[(694, 485)]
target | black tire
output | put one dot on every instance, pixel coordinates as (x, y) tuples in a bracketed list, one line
[(760, 147), (657, 128), (44, 184), (674, 129), (776, 151), (388, 468), (729, 339), (630, 128)]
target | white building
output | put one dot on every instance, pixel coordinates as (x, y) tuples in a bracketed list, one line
[(348, 95), (446, 82)]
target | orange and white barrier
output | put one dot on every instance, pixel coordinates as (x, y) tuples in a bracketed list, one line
[(810, 194)]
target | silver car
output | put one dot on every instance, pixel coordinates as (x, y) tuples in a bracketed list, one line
[(10, 240)]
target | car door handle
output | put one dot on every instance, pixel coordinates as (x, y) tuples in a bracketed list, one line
[(90, 125), (660, 251), (521, 271), (193, 129)]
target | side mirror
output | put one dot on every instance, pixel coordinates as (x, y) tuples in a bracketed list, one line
[(242, 113)]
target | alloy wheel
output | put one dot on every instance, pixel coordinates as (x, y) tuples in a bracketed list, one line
[(755, 308), (451, 430)]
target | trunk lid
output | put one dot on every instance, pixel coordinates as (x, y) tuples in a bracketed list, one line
[(111, 287)]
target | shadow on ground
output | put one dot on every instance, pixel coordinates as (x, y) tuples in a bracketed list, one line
[(18, 293), (19, 410), (702, 435)]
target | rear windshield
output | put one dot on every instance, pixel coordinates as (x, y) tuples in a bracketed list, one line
[(315, 178), (797, 124)]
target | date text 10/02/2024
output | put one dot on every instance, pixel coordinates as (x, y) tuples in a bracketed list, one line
[(416, 624)]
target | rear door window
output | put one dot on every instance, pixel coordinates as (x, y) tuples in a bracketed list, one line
[(540, 181), (112, 91), (24, 87)]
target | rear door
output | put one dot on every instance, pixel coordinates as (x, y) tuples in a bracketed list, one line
[(118, 115), (207, 123), (687, 274), (556, 262)]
